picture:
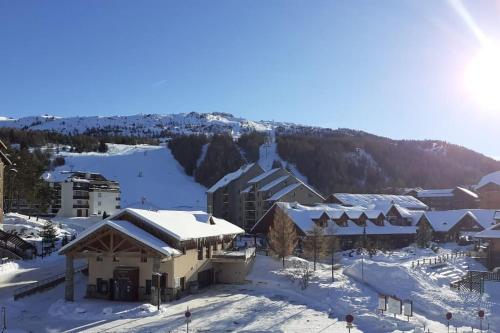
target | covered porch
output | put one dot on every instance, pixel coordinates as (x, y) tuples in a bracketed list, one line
[(125, 262)]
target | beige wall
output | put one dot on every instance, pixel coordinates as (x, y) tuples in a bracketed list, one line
[(186, 266), (104, 269)]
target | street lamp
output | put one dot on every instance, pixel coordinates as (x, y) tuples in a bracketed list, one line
[(13, 172)]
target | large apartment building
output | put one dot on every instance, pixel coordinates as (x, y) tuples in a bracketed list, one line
[(244, 196), (82, 194)]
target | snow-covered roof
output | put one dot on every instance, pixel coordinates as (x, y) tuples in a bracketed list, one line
[(275, 182), (230, 177), (446, 192), (377, 201), (130, 230), (184, 225), (284, 191), (493, 232), (443, 221), (493, 177), (262, 176), (304, 216)]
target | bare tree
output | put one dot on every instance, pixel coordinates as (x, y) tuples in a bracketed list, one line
[(316, 244), (282, 235), (333, 244)]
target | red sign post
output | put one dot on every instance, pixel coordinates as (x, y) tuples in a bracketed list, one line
[(349, 319), (480, 313), (448, 318), (187, 314)]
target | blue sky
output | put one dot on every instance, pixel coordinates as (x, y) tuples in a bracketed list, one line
[(390, 67)]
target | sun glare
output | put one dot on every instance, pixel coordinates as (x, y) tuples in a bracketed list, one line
[(482, 77)]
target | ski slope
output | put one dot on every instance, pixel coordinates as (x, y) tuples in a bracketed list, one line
[(144, 172)]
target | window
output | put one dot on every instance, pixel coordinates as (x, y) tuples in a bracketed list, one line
[(200, 252), (183, 283), (184, 250), (98, 203), (115, 259), (102, 286), (207, 255), (214, 247), (98, 212), (99, 194), (148, 287), (144, 258), (98, 258)]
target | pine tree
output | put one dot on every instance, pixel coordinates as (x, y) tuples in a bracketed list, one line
[(103, 147), (316, 244), (282, 235), (48, 233)]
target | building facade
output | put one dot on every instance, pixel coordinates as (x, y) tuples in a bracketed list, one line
[(447, 199), (83, 194), (244, 196), (488, 190), (137, 254)]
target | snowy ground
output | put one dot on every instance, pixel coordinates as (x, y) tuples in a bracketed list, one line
[(143, 171), (273, 301)]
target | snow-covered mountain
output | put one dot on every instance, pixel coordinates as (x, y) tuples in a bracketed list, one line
[(143, 124)]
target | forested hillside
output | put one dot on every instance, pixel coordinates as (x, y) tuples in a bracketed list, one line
[(356, 161), (208, 146)]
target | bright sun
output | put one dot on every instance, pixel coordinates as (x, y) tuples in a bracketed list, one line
[(482, 77)]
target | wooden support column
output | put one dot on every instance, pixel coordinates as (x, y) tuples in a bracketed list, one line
[(154, 287), (70, 285)]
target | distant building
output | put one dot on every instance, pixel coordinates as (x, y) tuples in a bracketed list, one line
[(450, 225), (137, 255), (244, 196), (488, 190), (352, 225), (82, 194), (492, 236), (223, 198), (376, 200), (447, 199)]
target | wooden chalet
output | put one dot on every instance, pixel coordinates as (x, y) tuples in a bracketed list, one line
[(492, 236), (134, 252)]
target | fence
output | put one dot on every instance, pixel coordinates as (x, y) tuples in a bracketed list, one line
[(474, 281), (438, 260), (44, 284)]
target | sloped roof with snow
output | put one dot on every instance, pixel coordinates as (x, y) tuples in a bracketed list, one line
[(443, 221), (446, 192), (493, 177), (303, 217), (230, 177), (275, 182), (377, 201), (130, 230), (262, 176), (493, 232), (284, 191), (184, 225)]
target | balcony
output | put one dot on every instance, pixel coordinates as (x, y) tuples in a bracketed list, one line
[(81, 206), (81, 196)]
